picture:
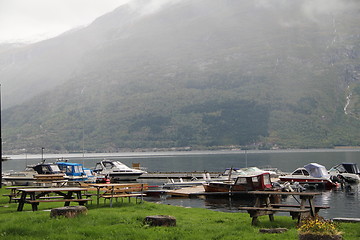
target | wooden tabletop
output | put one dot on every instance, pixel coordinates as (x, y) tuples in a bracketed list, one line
[(111, 184), (52, 189), (22, 187)]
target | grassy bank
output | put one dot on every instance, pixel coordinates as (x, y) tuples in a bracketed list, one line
[(125, 221)]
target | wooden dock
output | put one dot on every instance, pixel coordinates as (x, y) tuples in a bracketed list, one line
[(199, 191), (349, 220), (177, 175), (187, 192)]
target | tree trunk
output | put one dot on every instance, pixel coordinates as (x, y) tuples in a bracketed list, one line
[(160, 220), (69, 212)]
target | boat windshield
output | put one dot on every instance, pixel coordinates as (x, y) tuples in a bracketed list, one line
[(241, 180), (98, 167), (351, 168), (119, 165), (340, 168), (267, 180), (54, 168), (78, 169)]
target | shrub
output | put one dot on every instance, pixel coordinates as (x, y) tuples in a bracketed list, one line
[(318, 226)]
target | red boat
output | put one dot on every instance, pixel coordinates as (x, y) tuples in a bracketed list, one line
[(311, 174), (241, 184)]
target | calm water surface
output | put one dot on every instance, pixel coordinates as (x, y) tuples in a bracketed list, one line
[(343, 203)]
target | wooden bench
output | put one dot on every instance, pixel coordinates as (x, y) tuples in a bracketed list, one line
[(90, 191), (11, 196), (50, 179), (48, 197), (125, 191), (59, 200), (35, 203), (14, 192), (317, 208), (255, 212)]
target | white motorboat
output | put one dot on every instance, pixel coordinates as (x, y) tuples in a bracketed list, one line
[(348, 171), (311, 174), (257, 171), (116, 171), (28, 176), (25, 177)]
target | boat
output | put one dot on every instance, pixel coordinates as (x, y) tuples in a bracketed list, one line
[(231, 174), (347, 171), (74, 171), (4, 158), (243, 183), (20, 178), (116, 171), (172, 184), (91, 177), (312, 174), (29, 175), (256, 170)]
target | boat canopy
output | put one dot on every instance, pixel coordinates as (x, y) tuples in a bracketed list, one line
[(317, 170), (75, 169)]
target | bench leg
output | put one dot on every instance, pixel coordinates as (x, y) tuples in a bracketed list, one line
[(294, 215), (271, 217), (34, 206), (254, 221)]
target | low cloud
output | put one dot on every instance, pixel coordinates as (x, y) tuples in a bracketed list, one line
[(312, 9), (147, 7)]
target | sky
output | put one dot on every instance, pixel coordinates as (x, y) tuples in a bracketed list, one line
[(35, 20)]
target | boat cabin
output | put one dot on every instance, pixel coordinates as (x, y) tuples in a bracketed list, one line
[(301, 171), (242, 184), (254, 182), (46, 168), (73, 170), (346, 168)]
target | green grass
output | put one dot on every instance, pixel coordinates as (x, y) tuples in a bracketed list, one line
[(125, 221)]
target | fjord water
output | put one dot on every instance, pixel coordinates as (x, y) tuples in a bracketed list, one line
[(343, 203)]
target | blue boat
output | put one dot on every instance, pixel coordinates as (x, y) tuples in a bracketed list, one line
[(74, 171)]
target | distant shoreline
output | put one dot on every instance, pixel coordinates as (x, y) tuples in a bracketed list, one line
[(170, 152)]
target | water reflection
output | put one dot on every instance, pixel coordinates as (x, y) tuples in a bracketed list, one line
[(342, 202)]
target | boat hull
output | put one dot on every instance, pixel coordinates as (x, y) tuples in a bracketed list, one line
[(19, 181), (116, 177), (223, 187), (320, 182)]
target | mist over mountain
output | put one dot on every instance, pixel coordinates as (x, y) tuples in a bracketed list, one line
[(190, 73)]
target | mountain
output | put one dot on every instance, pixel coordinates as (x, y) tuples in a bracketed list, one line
[(190, 73)]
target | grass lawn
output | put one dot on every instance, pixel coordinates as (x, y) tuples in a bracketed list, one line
[(125, 221)]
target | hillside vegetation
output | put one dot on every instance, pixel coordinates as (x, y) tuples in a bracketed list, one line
[(198, 74)]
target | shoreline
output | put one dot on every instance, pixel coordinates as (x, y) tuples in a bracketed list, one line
[(169, 152)]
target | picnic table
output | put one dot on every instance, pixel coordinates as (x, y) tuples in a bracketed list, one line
[(263, 205), (118, 190), (34, 196), (15, 193)]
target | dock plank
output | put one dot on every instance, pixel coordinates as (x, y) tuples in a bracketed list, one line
[(352, 220), (188, 191)]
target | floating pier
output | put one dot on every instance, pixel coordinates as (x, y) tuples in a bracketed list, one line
[(174, 175), (199, 191), (348, 220)]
